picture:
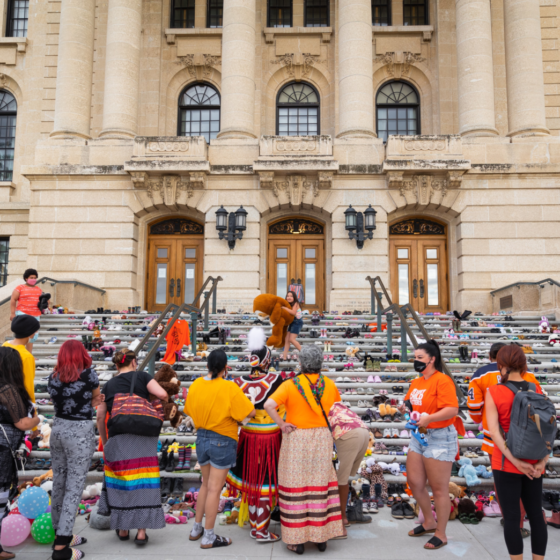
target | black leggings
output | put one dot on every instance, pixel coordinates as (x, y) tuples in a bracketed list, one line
[(510, 488)]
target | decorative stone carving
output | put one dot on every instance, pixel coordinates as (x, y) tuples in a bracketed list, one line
[(298, 65), (179, 226), (138, 179), (325, 179), (301, 146), (286, 145), (266, 179), (296, 188), (395, 179), (422, 145), (199, 65), (186, 186), (455, 179), (168, 147), (398, 63), (154, 186), (3, 79), (295, 226), (198, 179), (417, 226), (423, 187)]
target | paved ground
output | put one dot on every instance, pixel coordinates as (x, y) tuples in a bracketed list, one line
[(384, 539)]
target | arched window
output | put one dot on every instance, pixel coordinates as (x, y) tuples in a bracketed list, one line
[(199, 112), (398, 110), (415, 12), (297, 111), (8, 114)]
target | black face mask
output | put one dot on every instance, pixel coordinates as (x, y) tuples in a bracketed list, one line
[(419, 366)]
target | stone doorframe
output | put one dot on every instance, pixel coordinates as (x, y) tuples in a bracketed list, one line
[(321, 216)]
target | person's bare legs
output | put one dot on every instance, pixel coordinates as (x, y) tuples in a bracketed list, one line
[(439, 474), (295, 342), (343, 490), (286, 346), (417, 478), (209, 495)]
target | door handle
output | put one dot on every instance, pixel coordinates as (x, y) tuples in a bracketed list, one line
[(415, 288), (421, 288), (178, 287), (172, 287)]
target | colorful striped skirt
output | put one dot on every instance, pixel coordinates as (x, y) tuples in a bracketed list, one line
[(131, 491), (308, 489)]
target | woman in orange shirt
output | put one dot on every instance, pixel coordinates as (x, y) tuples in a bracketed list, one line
[(433, 396), (515, 478), (307, 483), (25, 301)]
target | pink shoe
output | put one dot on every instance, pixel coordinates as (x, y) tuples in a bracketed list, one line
[(377, 379), (171, 519), (470, 435)]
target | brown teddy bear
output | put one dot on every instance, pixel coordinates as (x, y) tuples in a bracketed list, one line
[(271, 306), (168, 379)]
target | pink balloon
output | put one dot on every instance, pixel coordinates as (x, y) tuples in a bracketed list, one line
[(15, 529)]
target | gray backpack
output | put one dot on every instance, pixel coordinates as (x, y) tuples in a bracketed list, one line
[(532, 429)]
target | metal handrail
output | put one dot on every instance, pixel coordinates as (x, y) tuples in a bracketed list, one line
[(177, 311), (407, 308), (53, 282), (518, 284)]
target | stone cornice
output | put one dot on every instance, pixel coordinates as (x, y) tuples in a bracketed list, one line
[(324, 32), (171, 34)]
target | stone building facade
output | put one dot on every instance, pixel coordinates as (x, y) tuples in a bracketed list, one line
[(134, 121)]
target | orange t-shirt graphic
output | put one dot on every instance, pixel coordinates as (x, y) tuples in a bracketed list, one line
[(177, 337), (432, 395), (29, 299)]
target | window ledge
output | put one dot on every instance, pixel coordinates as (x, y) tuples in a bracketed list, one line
[(324, 32), (425, 30), (19, 42), (172, 34)]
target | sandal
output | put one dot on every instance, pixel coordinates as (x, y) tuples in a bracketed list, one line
[(419, 531), (218, 542), (270, 537), (299, 548), (436, 542)]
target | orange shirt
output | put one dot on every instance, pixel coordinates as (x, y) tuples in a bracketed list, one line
[(29, 300), (432, 395), (177, 337), (503, 399), (298, 412), (476, 398)]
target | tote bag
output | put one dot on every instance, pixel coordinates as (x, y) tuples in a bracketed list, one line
[(134, 415)]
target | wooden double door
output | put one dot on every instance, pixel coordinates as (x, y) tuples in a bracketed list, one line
[(418, 267), (292, 258), (174, 272)]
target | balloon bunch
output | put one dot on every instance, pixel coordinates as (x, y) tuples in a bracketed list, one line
[(32, 515)]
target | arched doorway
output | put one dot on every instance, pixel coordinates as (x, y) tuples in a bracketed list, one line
[(418, 264), (175, 262), (296, 254)]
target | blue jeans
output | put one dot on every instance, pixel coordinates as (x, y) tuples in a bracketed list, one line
[(35, 337), (218, 450), (442, 444)]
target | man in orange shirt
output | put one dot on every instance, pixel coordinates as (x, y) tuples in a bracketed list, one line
[(484, 378)]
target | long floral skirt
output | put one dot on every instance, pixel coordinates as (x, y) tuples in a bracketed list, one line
[(308, 489)]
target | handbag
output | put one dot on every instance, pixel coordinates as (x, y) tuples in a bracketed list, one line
[(135, 415)]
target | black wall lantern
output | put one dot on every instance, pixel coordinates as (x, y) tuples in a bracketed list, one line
[(357, 228), (231, 228)]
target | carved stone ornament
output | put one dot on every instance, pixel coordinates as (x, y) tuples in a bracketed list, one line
[(266, 179), (177, 226), (168, 187), (199, 65), (296, 187), (423, 187), (395, 179), (286, 145), (325, 179), (399, 63), (424, 145), (295, 226), (139, 179), (298, 65), (166, 147), (3, 79), (198, 179), (417, 226)]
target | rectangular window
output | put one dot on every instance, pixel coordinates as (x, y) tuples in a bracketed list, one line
[(403, 284), (18, 14), (215, 13), (415, 12), (316, 13), (7, 146), (381, 12), (279, 13), (182, 14), (4, 251), (433, 292)]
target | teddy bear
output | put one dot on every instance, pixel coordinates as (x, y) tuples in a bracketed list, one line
[(38, 480), (45, 435), (167, 378), (271, 306), (455, 493)]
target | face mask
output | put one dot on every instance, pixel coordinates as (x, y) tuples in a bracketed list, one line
[(32, 281), (419, 366)]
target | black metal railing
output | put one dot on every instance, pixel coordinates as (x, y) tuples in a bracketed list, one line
[(541, 283), (194, 311)]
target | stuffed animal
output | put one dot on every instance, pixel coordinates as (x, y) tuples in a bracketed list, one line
[(92, 491), (468, 471), (45, 435), (38, 480), (468, 507), (544, 325), (554, 339), (271, 306), (167, 378), (455, 493), (234, 513)]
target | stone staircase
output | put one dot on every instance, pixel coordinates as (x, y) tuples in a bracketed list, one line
[(350, 377)]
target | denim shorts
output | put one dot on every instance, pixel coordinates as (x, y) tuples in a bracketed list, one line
[(35, 337), (295, 326), (218, 450), (442, 444)]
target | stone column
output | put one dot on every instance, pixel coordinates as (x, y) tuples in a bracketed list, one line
[(524, 68), (238, 70), (122, 69), (72, 109), (475, 68), (355, 68)]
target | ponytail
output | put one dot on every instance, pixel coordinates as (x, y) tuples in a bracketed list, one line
[(217, 361), (432, 349), (123, 358)]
